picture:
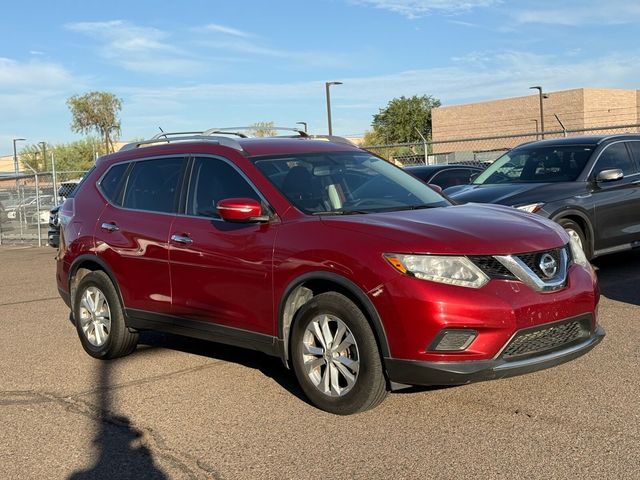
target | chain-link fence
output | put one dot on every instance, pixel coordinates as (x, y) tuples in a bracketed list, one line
[(480, 150), (26, 201)]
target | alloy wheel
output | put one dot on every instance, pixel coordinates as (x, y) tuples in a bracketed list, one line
[(95, 316), (330, 355)]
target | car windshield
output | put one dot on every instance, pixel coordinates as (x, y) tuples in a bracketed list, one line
[(346, 183), (535, 164)]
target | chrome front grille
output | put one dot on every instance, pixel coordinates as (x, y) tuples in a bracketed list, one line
[(547, 338), (529, 267)]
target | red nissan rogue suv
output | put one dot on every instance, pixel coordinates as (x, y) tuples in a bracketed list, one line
[(356, 274)]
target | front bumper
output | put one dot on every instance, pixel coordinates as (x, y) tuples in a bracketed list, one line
[(411, 372)]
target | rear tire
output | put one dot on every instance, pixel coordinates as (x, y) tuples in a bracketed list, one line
[(335, 356), (99, 318)]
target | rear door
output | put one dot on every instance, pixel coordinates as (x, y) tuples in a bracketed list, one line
[(133, 230), (617, 203), (221, 272)]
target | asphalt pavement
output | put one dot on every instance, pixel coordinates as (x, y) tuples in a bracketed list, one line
[(180, 409)]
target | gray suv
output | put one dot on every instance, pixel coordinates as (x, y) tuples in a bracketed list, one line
[(590, 185)]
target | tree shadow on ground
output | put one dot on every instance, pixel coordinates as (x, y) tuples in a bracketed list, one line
[(619, 276), (121, 454)]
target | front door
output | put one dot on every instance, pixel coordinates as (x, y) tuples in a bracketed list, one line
[(221, 272), (617, 203)]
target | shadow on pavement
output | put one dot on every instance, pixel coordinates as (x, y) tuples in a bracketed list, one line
[(269, 366), (619, 276), (120, 457)]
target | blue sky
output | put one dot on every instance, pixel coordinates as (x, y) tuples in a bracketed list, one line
[(200, 64)]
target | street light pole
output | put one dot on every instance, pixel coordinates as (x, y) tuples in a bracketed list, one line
[(303, 123), (541, 95), (326, 86)]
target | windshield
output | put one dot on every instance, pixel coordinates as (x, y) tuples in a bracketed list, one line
[(534, 164), (346, 182)]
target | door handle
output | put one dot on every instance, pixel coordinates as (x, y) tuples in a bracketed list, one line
[(109, 227), (183, 239)]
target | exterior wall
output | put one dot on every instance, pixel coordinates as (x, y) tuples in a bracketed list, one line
[(577, 109), (6, 164), (610, 107)]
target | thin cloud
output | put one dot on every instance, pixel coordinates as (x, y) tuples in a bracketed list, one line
[(214, 27), (419, 8), (135, 48), (479, 77), (575, 14)]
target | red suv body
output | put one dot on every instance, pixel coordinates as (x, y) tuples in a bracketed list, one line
[(353, 272)]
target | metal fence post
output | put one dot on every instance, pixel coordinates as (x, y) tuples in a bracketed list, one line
[(55, 180), (37, 203)]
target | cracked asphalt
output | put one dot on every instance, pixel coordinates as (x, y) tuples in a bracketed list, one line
[(186, 409)]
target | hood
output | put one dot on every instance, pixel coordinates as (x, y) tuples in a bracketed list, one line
[(515, 193), (471, 229)]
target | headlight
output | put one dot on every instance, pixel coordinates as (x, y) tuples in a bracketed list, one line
[(530, 208), (577, 254), (458, 271)]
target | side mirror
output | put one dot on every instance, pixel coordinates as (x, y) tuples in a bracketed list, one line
[(610, 175), (435, 188), (242, 210), (473, 176)]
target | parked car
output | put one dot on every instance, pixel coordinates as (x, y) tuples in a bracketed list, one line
[(28, 207), (53, 234), (589, 185), (358, 289), (445, 176)]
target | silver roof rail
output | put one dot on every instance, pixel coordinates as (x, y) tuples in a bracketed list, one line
[(215, 135), (170, 137)]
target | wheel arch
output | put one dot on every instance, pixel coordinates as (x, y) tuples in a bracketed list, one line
[(582, 219), (85, 264), (305, 287)]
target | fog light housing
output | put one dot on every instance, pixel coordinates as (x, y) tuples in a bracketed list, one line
[(453, 340)]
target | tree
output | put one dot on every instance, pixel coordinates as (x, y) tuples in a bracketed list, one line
[(69, 157), (263, 129), (402, 118), (96, 112)]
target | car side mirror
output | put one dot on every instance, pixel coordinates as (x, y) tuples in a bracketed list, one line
[(473, 176), (435, 188), (241, 210), (609, 175)]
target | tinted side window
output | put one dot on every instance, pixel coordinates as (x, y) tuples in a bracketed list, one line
[(213, 180), (153, 185), (449, 178), (111, 184), (635, 151), (615, 156)]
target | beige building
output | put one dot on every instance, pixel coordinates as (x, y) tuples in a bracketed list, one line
[(577, 109)]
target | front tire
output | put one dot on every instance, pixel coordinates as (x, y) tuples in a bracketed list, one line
[(574, 230), (335, 356), (99, 318)]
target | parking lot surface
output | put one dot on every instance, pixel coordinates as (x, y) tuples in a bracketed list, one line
[(180, 408)]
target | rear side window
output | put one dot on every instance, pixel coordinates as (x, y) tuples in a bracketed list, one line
[(112, 183), (213, 180), (615, 156), (153, 185)]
